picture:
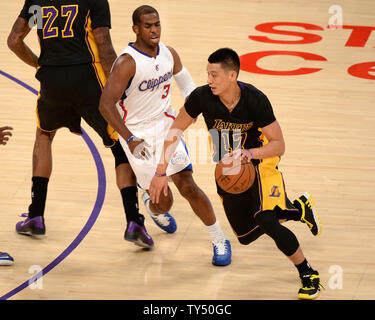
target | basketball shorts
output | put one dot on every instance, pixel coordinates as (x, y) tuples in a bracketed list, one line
[(69, 93), (267, 193), (154, 133)]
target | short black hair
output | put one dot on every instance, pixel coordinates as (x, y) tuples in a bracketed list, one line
[(228, 58), (145, 9)]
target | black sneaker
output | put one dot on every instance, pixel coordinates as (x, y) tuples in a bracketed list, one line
[(309, 213), (310, 287)]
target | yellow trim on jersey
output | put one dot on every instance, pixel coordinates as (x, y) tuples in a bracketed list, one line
[(93, 49), (271, 182), (37, 113), (98, 68)]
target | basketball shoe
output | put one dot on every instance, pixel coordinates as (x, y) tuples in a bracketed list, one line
[(137, 234), (33, 226), (309, 214), (310, 287), (164, 221), (222, 253), (5, 259)]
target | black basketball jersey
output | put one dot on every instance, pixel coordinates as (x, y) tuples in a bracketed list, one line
[(65, 29), (240, 128)]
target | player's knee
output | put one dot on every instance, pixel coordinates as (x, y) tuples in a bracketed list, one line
[(125, 176), (267, 221), (188, 190), (245, 240), (285, 240), (250, 237)]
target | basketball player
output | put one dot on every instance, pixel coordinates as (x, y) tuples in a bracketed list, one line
[(5, 134), (225, 104), (75, 60), (140, 85)]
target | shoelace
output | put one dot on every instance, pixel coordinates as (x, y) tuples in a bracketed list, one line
[(162, 219), (308, 282), (310, 202), (221, 247)]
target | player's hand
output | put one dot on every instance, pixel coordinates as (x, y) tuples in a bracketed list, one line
[(157, 186), (5, 134), (244, 155), (139, 148)]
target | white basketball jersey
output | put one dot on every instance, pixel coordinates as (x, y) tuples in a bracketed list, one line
[(149, 91)]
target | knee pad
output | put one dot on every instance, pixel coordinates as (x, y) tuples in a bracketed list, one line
[(285, 239), (119, 154), (250, 237), (267, 221)]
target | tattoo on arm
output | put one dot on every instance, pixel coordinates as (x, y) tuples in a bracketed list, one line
[(107, 53)]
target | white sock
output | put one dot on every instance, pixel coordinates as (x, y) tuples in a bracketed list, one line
[(217, 235)]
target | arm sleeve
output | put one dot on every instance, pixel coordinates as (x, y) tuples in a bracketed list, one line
[(25, 10), (192, 104), (265, 115), (100, 14)]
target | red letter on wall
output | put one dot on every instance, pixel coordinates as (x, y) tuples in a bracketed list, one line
[(362, 70), (249, 62), (306, 37)]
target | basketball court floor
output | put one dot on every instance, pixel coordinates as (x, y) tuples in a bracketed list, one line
[(315, 62)]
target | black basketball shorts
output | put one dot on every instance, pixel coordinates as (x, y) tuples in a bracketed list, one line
[(69, 93)]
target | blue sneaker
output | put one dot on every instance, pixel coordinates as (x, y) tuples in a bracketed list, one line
[(5, 259), (222, 253), (164, 221)]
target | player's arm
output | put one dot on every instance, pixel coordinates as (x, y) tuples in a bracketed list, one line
[(274, 148), (159, 182), (16, 42), (122, 72), (107, 53), (181, 75)]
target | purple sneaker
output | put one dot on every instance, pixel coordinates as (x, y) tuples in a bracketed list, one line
[(138, 235), (33, 226)]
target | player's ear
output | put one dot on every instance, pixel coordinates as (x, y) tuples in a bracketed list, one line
[(233, 75), (135, 29)]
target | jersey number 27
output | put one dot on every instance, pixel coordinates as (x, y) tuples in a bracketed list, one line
[(51, 14)]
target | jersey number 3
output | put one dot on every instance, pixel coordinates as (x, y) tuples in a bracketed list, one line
[(166, 91), (51, 14)]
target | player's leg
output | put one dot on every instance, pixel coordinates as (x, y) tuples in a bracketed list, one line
[(127, 184), (202, 207), (275, 206), (288, 244), (54, 110), (125, 178), (239, 210), (42, 169)]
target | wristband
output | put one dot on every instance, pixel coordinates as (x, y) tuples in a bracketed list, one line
[(129, 139), (160, 175)]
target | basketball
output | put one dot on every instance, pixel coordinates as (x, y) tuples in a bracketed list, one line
[(234, 176)]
